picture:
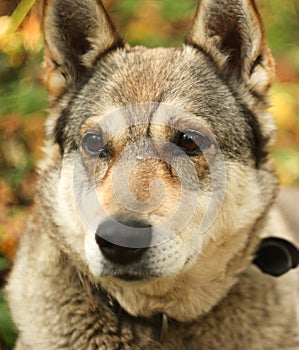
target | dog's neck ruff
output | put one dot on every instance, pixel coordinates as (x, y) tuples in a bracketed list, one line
[(274, 256)]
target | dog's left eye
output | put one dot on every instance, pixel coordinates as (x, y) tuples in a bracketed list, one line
[(193, 142), (93, 144)]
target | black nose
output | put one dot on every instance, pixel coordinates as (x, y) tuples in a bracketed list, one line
[(123, 242)]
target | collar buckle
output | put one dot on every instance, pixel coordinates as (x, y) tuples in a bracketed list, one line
[(164, 328)]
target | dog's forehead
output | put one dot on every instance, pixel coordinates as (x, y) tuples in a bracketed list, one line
[(181, 76)]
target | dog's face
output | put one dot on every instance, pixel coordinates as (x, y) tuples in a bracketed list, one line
[(158, 157)]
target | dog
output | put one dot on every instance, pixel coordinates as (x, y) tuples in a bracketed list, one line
[(155, 225)]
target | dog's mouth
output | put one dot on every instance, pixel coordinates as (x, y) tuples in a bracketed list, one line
[(130, 273), (141, 274), (131, 278)]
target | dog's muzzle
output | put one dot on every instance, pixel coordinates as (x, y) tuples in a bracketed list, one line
[(123, 242)]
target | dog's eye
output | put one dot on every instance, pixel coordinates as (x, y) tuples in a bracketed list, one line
[(93, 144), (193, 142)]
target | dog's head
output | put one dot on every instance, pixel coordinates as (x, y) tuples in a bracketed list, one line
[(157, 158)]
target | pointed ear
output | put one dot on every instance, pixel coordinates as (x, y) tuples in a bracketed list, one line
[(76, 32), (231, 32)]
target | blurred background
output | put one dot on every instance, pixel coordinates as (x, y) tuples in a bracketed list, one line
[(23, 99)]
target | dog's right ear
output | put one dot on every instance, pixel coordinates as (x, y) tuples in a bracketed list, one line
[(76, 32)]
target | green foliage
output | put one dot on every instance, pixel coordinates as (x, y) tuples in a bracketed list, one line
[(176, 10), (287, 163), (8, 332), (20, 13), (21, 92), (3, 264), (7, 329), (127, 8), (282, 23), (22, 97)]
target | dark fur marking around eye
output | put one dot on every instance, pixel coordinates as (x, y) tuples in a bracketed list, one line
[(258, 141), (60, 131), (60, 127)]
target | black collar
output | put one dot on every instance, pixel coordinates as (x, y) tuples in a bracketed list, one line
[(276, 256), (159, 322)]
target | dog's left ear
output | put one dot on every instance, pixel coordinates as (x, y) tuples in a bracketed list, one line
[(231, 32)]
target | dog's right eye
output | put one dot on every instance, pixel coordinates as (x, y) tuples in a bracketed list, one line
[(193, 142), (93, 144)]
